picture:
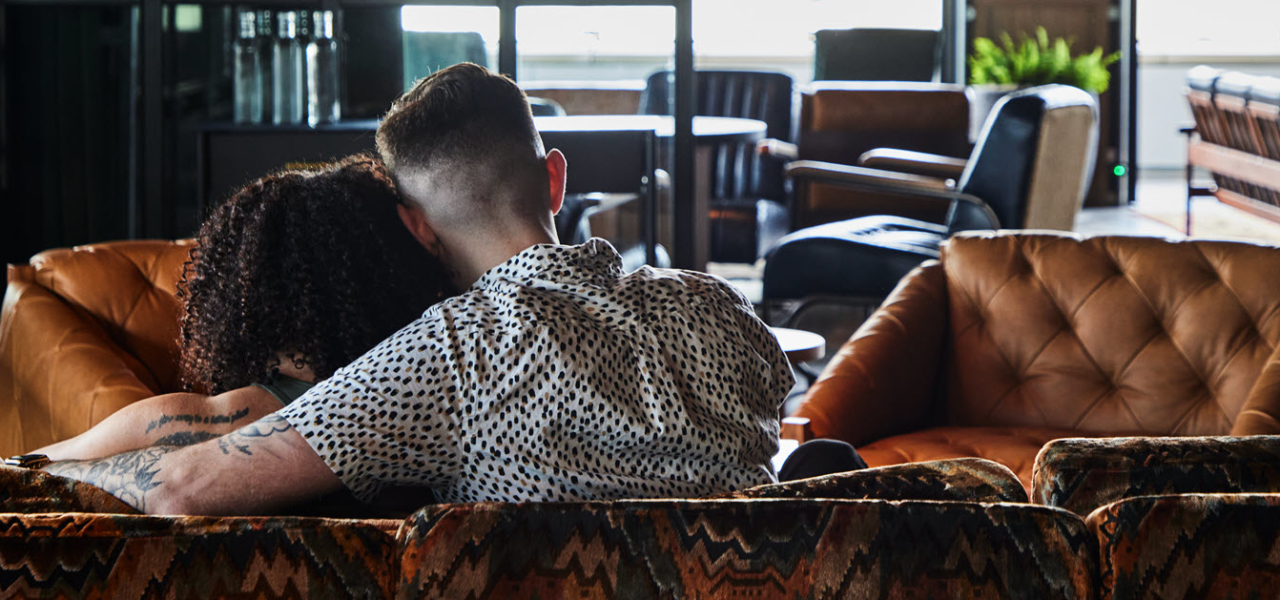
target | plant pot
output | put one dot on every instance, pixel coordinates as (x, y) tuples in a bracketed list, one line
[(983, 98)]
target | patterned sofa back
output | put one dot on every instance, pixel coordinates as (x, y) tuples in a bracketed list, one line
[(84, 332), (1110, 335)]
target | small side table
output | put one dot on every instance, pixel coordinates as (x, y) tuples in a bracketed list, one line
[(800, 346)]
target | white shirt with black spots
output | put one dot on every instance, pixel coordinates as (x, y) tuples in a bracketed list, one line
[(558, 377)]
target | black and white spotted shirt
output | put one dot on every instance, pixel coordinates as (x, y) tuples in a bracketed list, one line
[(557, 377)]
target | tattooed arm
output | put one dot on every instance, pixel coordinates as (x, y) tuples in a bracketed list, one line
[(257, 468), (168, 420)]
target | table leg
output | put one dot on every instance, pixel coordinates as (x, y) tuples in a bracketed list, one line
[(703, 182)]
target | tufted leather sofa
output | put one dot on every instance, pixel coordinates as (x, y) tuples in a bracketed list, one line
[(1013, 339), (84, 332)]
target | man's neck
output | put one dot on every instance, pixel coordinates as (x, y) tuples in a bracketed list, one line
[(473, 257)]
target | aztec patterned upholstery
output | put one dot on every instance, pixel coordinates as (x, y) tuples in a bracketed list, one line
[(667, 548), (24, 491), (77, 555), (1026, 332), (962, 480), (1189, 546), (1081, 475), (739, 549), (84, 332)]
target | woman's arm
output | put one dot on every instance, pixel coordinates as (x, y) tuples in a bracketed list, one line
[(169, 420)]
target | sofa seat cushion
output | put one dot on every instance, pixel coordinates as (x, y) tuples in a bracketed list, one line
[(745, 549), (1013, 447), (1189, 546), (961, 480), (1080, 474), (79, 555)]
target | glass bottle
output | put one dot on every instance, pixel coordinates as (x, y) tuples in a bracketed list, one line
[(266, 50), (322, 71), (248, 72), (287, 72)]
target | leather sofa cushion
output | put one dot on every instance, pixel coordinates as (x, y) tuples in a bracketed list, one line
[(1013, 447), (138, 556), (1107, 335), (1189, 546), (85, 332), (1081, 475), (746, 548), (130, 288), (965, 479)]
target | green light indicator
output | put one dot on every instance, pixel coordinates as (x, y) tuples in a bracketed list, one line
[(1120, 170)]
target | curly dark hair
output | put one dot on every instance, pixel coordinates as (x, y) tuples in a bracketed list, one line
[(316, 263)]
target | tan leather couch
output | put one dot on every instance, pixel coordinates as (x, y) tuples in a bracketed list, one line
[(1015, 339), (84, 332)]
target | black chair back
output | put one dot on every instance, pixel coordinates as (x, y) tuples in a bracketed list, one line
[(606, 162), (999, 170), (876, 54), (764, 96)]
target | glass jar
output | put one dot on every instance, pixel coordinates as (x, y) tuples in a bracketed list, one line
[(323, 104), (247, 83), (287, 72)]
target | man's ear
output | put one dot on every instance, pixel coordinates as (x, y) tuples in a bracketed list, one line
[(416, 222), (556, 168)]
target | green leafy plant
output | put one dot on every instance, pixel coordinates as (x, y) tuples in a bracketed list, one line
[(1037, 62)]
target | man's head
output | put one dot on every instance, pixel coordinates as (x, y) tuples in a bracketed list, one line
[(463, 147)]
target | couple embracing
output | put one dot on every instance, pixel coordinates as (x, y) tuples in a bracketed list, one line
[(512, 369)]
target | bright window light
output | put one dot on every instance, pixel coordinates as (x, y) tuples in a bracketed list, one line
[(451, 19), (785, 27), (1201, 28)]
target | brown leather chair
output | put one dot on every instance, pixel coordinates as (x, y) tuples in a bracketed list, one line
[(84, 332), (842, 120), (1013, 339)]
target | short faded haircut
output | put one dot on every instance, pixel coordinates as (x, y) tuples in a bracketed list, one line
[(471, 129)]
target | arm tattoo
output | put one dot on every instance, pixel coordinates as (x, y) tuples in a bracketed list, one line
[(129, 476), (185, 438), (192, 420), (240, 439)]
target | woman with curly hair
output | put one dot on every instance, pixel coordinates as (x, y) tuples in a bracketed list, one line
[(296, 275)]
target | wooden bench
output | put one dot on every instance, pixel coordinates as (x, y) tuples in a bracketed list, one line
[(1236, 138)]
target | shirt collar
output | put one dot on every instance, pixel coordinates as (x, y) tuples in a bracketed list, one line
[(595, 261)]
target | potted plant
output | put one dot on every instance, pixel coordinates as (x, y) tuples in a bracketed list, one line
[(997, 69)]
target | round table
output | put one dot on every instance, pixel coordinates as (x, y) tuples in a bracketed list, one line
[(800, 346), (707, 130)]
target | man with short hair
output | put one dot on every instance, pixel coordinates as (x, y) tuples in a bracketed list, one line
[(554, 377)]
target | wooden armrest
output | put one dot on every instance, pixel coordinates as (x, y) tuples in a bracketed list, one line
[(796, 428), (777, 149), (915, 163)]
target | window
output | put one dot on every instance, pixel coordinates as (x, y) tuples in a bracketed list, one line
[(1199, 28)]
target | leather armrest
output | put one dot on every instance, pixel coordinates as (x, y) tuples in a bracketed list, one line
[(60, 373), (915, 163), (1260, 414), (882, 381), (965, 211), (777, 149), (871, 179)]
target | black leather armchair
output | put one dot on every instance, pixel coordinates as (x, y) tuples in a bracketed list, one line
[(1029, 170), (748, 211)]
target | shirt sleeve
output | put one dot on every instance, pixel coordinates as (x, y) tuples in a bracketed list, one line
[(384, 418)]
